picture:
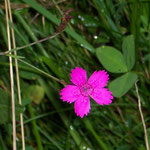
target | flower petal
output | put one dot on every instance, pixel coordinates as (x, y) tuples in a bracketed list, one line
[(82, 106), (98, 79), (78, 76), (102, 96), (70, 93)]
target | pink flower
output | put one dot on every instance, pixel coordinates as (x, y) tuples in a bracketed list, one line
[(82, 90)]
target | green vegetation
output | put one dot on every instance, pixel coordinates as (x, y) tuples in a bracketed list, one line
[(103, 34)]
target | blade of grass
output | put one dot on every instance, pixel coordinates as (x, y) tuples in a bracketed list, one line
[(39, 45), (49, 138), (2, 143), (31, 34), (135, 22), (63, 116), (52, 77), (35, 128), (90, 127), (17, 77), (105, 15), (11, 77), (55, 20)]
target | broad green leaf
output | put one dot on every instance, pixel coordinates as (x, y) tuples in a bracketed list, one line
[(6, 108), (128, 48), (122, 84), (35, 93), (111, 59)]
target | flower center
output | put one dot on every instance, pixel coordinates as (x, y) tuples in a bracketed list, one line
[(86, 89)]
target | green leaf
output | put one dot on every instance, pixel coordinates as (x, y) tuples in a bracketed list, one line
[(111, 59), (128, 48), (122, 84), (6, 108), (35, 93)]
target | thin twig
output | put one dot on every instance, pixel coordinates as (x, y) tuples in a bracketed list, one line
[(142, 118), (11, 78), (17, 76)]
